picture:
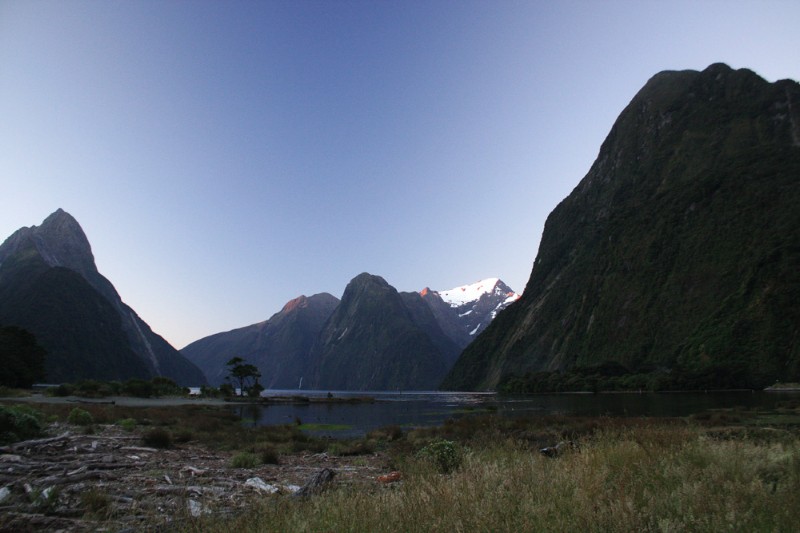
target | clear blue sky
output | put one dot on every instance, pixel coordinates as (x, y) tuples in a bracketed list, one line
[(224, 157)]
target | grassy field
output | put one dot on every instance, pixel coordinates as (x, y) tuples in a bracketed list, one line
[(724, 470), (630, 476)]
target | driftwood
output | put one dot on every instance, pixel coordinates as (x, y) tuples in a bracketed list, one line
[(558, 449), (34, 443), (316, 483), (66, 482)]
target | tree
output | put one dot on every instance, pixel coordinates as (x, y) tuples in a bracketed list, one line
[(242, 373), (21, 358)]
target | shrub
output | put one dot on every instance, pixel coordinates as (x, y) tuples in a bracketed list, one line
[(269, 455), (183, 436), (138, 388), (443, 454), (157, 438), (19, 423), (244, 460), (65, 389), (80, 417), (127, 424), (95, 502)]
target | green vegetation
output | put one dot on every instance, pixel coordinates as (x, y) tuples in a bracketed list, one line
[(727, 469), (246, 376), (324, 427), (245, 460), (157, 438), (19, 422), (156, 387), (80, 417), (622, 475), (443, 454), (21, 358), (676, 254)]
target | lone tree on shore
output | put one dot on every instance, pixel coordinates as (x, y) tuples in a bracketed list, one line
[(242, 373)]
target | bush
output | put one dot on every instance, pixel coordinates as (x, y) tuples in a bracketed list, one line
[(19, 423), (127, 424), (244, 460), (65, 389), (269, 455), (443, 454), (138, 388), (157, 438), (183, 436), (79, 417)]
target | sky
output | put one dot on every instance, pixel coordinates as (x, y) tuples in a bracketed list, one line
[(224, 157)]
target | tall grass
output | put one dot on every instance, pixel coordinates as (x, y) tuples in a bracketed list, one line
[(637, 479)]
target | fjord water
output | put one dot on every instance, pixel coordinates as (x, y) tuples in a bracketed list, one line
[(414, 409)]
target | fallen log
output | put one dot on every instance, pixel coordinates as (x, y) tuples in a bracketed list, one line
[(316, 483), (34, 443)]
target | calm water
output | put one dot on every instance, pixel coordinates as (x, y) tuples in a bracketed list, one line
[(413, 409)]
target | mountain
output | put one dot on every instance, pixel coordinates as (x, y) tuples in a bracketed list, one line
[(374, 338), (676, 256), (279, 347), (464, 312), (50, 286), (380, 339)]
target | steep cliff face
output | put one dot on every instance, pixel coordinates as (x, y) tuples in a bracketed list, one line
[(49, 285), (678, 251), (378, 339), (279, 347)]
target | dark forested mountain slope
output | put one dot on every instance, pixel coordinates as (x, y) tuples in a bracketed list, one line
[(677, 254), (379, 339), (279, 347), (50, 286)]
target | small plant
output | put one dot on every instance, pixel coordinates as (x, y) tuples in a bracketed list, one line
[(444, 454), (244, 460), (80, 417), (183, 436), (95, 502), (269, 455), (128, 424), (157, 438)]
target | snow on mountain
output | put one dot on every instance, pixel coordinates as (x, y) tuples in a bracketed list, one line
[(478, 303), (473, 292)]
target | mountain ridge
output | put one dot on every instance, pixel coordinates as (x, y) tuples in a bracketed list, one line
[(655, 260), (57, 255)]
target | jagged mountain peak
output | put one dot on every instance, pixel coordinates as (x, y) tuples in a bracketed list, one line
[(474, 291), (50, 285), (59, 241), (471, 307)]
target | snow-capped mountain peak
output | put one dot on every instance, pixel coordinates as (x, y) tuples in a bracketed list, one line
[(477, 304), (472, 293)]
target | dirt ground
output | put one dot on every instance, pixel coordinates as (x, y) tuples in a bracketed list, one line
[(107, 481)]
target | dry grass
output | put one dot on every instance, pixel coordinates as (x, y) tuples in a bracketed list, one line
[(647, 478)]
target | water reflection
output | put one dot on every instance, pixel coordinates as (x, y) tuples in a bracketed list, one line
[(414, 409)]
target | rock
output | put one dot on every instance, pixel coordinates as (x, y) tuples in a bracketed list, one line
[(196, 508), (5, 492), (259, 484)]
